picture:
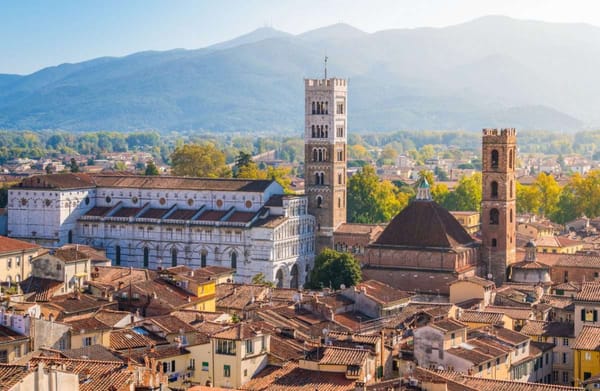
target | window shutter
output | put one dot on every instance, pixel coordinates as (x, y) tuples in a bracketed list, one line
[(583, 314), (595, 315)]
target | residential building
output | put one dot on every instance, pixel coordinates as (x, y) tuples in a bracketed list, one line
[(587, 353), (15, 260)]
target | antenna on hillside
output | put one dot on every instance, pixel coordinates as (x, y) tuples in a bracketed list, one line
[(325, 67)]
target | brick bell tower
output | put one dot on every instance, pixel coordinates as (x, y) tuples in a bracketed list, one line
[(325, 155), (498, 205)]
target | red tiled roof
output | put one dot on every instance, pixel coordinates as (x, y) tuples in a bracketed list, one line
[(472, 316), (212, 215), (8, 245), (588, 338), (154, 213), (291, 378), (129, 339), (182, 183), (10, 375), (182, 214), (70, 254), (551, 329), (590, 291), (99, 375), (98, 211), (43, 288), (239, 332), (241, 217), (333, 355), (85, 323), (58, 181), (126, 212), (383, 293), (8, 335), (424, 224)]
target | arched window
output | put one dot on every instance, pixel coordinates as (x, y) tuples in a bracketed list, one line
[(494, 189), (313, 131), (511, 155), (339, 179), (494, 217), (322, 131), (317, 178), (173, 257), (320, 155), (314, 111), (511, 216), (495, 159), (315, 154), (70, 236), (494, 243), (233, 260), (319, 201), (294, 280), (279, 278), (118, 255), (322, 178), (339, 202), (146, 256), (511, 188), (203, 255), (326, 107)]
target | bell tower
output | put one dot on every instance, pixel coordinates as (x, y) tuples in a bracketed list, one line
[(325, 130), (498, 205)]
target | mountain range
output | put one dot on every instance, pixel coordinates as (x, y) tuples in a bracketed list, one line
[(490, 72)]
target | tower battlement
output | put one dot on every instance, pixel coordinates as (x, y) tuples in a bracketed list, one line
[(493, 135), (320, 83)]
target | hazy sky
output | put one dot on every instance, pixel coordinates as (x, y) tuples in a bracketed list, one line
[(36, 34)]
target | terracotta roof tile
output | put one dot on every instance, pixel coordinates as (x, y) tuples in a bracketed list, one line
[(130, 339), (383, 293), (94, 352), (70, 254), (333, 355), (291, 378), (448, 324), (588, 338), (240, 331), (98, 211), (85, 323), (99, 375), (512, 312), (182, 183), (154, 213), (576, 260), (8, 335), (424, 224), (58, 181), (476, 280), (11, 375), (362, 229), (8, 245), (550, 329), (590, 291), (212, 215), (241, 217), (182, 214), (42, 288), (472, 316), (169, 324), (126, 212)]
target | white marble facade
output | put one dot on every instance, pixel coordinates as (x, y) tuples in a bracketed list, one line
[(161, 221)]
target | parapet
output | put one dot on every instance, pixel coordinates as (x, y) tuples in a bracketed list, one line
[(332, 82), (495, 135)]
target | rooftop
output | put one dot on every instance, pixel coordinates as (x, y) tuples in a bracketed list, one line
[(588, 338)]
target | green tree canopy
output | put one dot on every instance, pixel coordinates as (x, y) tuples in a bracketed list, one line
[(151, 169), (333, 268), (199, 160), (466, 195), (371, 200)]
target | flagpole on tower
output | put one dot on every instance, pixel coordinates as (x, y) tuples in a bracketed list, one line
[(325, 67)]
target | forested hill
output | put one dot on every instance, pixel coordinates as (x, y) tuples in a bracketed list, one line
[(493, 71)]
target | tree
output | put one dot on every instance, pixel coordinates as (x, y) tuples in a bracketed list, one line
[(197, 160), (549, 193), (260, 279), (528, 200), (371, 201), (151, 169), (74, 166), (466, 195), (333, 268)]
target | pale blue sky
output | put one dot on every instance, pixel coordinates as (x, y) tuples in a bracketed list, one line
[(36, 34)]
